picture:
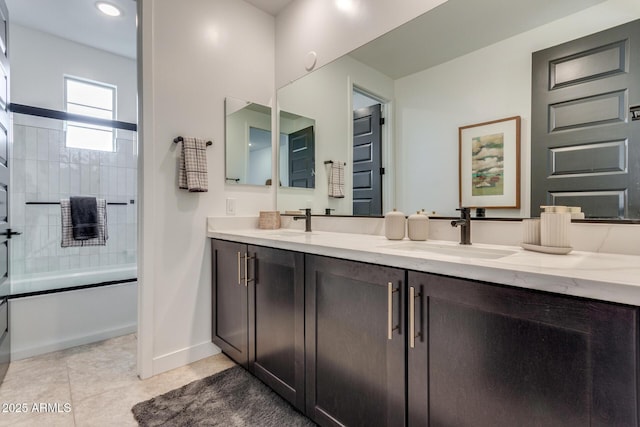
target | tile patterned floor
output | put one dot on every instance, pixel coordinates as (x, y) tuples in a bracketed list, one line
[(97, 382)]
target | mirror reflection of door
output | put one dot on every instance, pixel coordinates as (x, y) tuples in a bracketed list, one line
[(297, 151), (367, 155), (302, 158)]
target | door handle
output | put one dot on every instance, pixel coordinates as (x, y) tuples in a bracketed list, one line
[(239, 273), (390, 291), (10, 233), (412, 316)]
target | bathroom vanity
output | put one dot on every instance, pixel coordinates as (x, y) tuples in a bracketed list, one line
[(358, 330)]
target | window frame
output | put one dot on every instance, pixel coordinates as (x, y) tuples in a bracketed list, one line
[(114, 97)]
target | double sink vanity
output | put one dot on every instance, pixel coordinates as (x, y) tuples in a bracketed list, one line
[(355, 329)]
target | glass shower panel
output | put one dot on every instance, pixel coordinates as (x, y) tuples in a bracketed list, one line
[(44, 171)]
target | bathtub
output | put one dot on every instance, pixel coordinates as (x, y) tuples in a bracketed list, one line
[(57, 311), (59, 280)]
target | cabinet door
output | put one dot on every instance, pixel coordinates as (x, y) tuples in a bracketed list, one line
[(276, 321), (355, 371), (229, 300), (495, 356)]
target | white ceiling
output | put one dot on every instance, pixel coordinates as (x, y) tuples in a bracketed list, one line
[(80, 21), (456, 28), (452, 29), (272, 7)]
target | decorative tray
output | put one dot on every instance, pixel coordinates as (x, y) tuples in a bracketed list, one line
[(547, 249)]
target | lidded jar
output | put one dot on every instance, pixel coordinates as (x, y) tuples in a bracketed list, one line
[(394, 225), (418, 226)]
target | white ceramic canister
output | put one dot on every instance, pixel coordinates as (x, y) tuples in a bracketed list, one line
[(394, 225), (554, 229), (531, 231), (418, 226)]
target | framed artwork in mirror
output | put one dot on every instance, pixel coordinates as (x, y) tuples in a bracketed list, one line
[(489, 164)]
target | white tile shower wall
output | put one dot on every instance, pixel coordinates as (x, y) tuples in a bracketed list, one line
[(45, 170)]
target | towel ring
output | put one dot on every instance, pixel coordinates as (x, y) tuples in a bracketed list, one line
[(180, 139)]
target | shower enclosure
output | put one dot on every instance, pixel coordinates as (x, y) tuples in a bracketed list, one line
[(45, 170)]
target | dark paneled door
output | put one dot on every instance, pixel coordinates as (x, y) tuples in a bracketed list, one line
[(302, 158), (585, 147), (276, 321), (367, 161), (497, 356), (5, 230), (355, 343), (229, 329)]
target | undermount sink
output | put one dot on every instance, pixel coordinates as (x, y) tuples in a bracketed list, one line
[(287, 233), (451, 250)]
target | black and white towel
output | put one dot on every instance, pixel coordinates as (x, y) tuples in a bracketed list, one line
[(193, 165), (84, 217), (67, 226), (336, 180)]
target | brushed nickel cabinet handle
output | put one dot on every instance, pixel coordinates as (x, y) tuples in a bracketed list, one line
[(247, 257), (390, 291), (412, 317), (239, 272)]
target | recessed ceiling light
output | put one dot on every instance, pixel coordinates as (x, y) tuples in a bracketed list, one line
[(108, 9)]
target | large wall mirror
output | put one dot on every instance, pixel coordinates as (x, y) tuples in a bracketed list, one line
[(247, 142), (463, 63)]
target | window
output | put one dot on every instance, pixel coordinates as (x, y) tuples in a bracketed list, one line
[(94, 100)]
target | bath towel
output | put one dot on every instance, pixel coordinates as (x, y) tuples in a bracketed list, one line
[(193, 165), (67, 228), (336, 180), (84, 217)]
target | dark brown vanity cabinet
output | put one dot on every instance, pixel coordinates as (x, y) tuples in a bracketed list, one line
[(489, 355), (258, 313), (355, 343), (230, 298)]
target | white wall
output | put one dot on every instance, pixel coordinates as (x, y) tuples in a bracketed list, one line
[(194, 54), (488, 84), (334, 28), (39, 62), (325, 96)]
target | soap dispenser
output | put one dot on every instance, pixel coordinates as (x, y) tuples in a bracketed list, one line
[(394, 225), (418, 226)]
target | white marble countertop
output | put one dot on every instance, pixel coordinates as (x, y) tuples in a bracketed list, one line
[(601, 276)]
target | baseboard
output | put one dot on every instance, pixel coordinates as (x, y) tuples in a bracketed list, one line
[(73, 342), (183, 357)]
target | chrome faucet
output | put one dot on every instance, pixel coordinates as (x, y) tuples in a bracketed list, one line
[(307, 219), (465, 225)]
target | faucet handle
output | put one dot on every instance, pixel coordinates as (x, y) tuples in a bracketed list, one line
[(307, 211)]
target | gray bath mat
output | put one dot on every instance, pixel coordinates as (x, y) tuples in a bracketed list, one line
[(231, 398)]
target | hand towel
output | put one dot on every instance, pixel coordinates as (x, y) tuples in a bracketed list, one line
[(84, 217), (336, 180), (67, 228), (193, 165)]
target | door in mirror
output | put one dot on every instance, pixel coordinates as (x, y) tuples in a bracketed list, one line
[(297, 151)]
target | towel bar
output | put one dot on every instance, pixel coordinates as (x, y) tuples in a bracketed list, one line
[(180, 139), (57, 203)]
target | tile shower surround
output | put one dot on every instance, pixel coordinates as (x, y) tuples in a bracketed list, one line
[(44, 169)]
